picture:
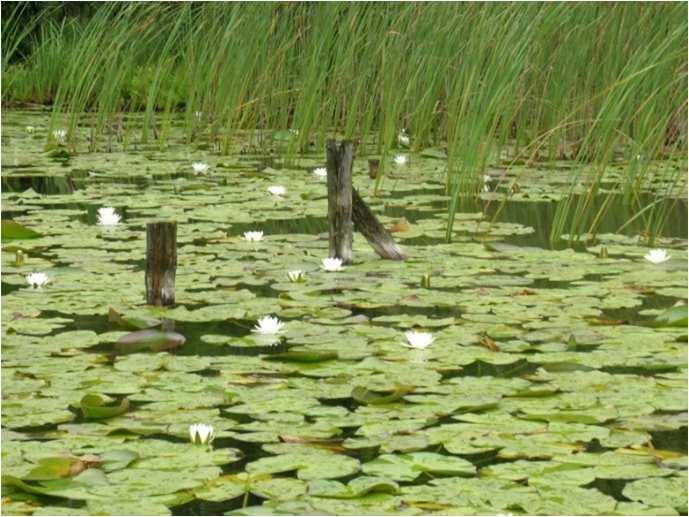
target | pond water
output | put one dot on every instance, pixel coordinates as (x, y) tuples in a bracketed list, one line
[(549, 388)]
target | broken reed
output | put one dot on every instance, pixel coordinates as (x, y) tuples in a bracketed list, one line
[(582, 81)]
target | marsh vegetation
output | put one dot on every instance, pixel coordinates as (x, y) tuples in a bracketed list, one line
[(529, 355)]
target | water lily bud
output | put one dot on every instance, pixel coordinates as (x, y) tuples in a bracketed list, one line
[(201, 434), (603, 252), (426, 281), (19, 258)]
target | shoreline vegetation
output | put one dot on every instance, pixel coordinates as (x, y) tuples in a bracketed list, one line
[(484, 83)]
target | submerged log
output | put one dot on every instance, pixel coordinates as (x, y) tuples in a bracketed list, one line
[(377, 236), (339, 163), (161, 263)]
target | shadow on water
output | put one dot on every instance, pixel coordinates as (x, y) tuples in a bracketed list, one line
[(46, 185), (674, 440), (305, 225), (540, 215)]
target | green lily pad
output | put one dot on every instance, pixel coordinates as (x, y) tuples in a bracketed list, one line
[(96, 407), (408, 467), (13, 230)]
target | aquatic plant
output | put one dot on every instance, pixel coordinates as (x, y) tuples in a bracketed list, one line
[(657, 256), (591, 83), (107, 216), (332, 264), (37, 280), (540, 374), (268, 325), (199, 167), (201, 434), (419, 340), (60, 136), (253, 236), (296, 276), (277, 190)]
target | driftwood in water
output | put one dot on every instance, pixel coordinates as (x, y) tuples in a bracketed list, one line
[(339, 162), (346, 209), (161, 263), (377, 236)]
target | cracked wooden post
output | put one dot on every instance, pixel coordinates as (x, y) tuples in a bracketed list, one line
[(161, 263), (340, 160)]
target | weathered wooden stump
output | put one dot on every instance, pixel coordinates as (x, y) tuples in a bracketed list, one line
[(377, 236), (373, 166), (161, 263), (346, 209), (339, 163)]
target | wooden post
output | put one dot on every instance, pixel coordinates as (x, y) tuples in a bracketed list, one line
[(161, 263), (339, 162), (373, 166), (377, 236)]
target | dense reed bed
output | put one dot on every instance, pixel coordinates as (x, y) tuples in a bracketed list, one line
[(595, 83)]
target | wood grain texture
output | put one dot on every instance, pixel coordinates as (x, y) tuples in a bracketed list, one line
[(340, 160), (161, 263), (377, 236)]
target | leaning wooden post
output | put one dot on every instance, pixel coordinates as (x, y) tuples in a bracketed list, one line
[(377, 236), (339, 163), (161, 263)]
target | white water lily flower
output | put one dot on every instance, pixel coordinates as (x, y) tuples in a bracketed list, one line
[(201, 434), (253, 236), (60, 135), (657, 256), (403, 138), (277, 190), (200, 167), (268, 325), (30, 129), (37, 279), (419, 340), (332, 264), (320, 172), (400, 159), (486, 182), (108, 217), (296, 276)]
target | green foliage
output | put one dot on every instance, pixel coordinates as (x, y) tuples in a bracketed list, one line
[(13, 230), (593, 83)]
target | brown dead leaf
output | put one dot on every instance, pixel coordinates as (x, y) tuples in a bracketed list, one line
[(524, 292), (331, 445), (87, 461), (400, 226), (640, 289), (489, 343), (607, 322)]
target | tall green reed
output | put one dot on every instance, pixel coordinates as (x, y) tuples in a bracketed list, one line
[(490, 82)]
